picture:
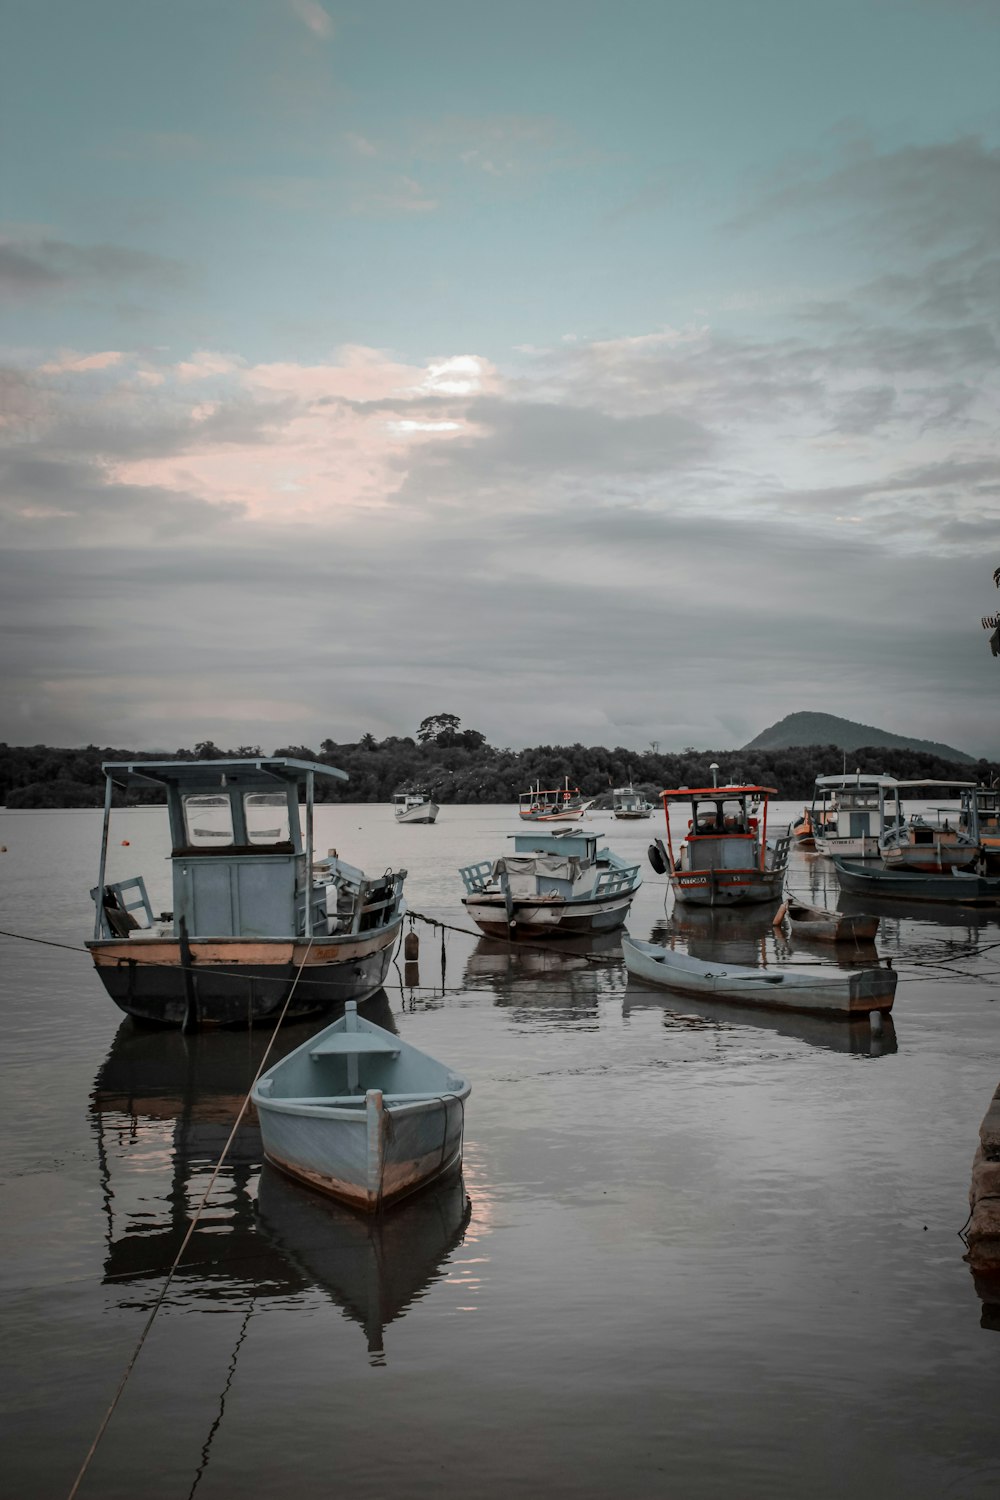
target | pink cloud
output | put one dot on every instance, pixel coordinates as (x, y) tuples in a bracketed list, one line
[(314, 16), (68, 362)]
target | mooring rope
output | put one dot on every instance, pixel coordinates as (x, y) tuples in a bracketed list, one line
[(187, 1238)]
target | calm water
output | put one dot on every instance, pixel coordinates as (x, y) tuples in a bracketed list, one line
[(703, 1254)]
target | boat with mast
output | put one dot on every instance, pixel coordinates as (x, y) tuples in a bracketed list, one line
[(561, 804), (933, 839), (847, 814)]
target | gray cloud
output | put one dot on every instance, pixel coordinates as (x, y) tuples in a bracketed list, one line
[(42, 265)]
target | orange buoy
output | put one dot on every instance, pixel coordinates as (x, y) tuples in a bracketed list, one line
[(124, 843)]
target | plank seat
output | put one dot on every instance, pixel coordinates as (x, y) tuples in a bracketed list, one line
[(351, 1043)]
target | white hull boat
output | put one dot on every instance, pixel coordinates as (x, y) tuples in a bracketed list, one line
[(553, 885), (414, 809)]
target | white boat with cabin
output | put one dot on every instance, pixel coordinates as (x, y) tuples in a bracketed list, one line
[(414, 807), (553, 885), (627, 803), (847, 814), (934, 839)]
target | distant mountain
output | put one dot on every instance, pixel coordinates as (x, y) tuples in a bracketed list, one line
[(826, 729)]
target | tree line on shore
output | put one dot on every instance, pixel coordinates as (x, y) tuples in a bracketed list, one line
[(455, 765)]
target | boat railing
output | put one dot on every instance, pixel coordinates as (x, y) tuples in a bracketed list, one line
[(475, 877), (615, 881), (114, 909), (376, 902)]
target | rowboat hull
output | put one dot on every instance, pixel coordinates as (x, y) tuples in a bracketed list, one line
[(241, 981), (361, 1115), (333, 1150), (823, 992), (722, 887), (545, 917), (821, 926), (954, 889)]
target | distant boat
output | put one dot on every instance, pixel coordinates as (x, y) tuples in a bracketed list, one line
[(554, 884), (824, 926), (847, 814), (847, 992), (360, 1114), (954, 887), (724, 858), (933, 840), (628, 803), (255, 922), (563, 804), (414, 807)]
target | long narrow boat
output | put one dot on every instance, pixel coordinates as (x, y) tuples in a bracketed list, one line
[(955, 887), (254, 922), (844, 992), (822, 925), (360, 1114)]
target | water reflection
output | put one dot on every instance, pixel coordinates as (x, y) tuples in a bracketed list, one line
[(572, 975), (163, 1108), (832, 1033), (374, 1268), (987, 1285), (731, 935)]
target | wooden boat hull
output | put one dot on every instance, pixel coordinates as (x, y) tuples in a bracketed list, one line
[(722, 887), (241, 981), (821, 926), (933, 859), (547, 918), (366, 1166), (633, 817), (954, 889), (358, 1113), (863, 847), (835, 992)]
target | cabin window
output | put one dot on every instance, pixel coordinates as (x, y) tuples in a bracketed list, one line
[(209, 821), (266, 816)]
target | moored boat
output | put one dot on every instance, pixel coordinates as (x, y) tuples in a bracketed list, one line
[(932, 840), (360, 1114), (414, 807), (561, 804), (954, 887), (845, 992), (724, 858), (627, 803), (253, 922), (821, 925), (554, 884), (847, 814)]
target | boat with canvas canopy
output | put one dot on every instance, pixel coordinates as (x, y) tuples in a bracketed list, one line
[(554, 884), (724, 858), (254, 920), (360, 1114)]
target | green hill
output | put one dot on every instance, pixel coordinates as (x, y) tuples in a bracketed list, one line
[(826, 729)]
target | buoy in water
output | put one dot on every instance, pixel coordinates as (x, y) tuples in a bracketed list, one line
[(125, 843), (411, 947)]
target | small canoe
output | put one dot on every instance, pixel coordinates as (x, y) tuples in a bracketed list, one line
[(358, 1113), (845, 992), (957, 887), (824, 926)]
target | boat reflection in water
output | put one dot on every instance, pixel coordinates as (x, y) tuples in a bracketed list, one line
[(162, 1110), (746, 937), (574, 977), (372, 1269)]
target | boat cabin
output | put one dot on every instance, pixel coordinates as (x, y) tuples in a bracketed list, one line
[(241, 862), (724, 830)]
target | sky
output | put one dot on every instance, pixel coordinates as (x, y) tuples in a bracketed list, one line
[(605, 372)]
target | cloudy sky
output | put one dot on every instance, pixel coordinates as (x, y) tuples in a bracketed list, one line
[(600, 370)]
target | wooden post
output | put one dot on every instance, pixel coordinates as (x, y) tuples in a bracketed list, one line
[(310, 793), (190, 1022), (102, 867)]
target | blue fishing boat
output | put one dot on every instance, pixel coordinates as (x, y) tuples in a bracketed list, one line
[(255, 921), (953, 887), (360, 1114), (553, 885)]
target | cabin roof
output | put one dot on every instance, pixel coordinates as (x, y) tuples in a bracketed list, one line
[(719, 791), (264, 769), (859, 778), (933, 781)]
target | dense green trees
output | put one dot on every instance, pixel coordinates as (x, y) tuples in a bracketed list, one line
[(456, 765)]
